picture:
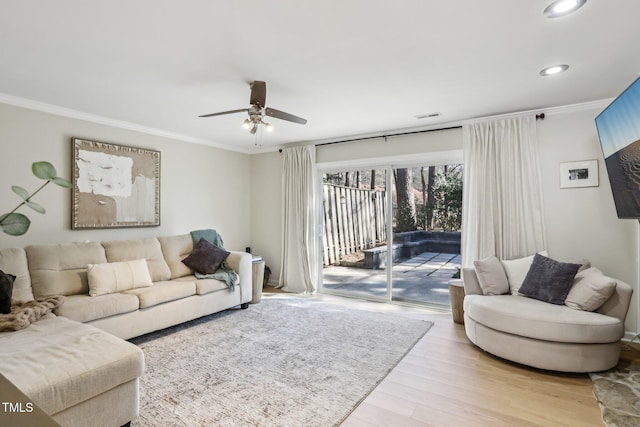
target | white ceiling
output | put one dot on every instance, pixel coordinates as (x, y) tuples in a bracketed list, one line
[(350, 67)]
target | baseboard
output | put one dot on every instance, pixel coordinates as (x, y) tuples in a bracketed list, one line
[(628, 336), (273, 282)]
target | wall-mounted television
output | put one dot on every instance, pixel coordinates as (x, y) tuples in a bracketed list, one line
[(619, 131)]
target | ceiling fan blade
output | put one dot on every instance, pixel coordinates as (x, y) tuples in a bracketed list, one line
[(272, 112), (226, 112), (258, 93)]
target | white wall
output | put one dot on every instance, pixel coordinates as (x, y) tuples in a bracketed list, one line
[(201, 187), (581, 222), (266, 210)]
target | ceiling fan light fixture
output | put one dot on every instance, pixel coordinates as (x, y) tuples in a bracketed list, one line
[(563, 7), (553, 70), (257, 111)]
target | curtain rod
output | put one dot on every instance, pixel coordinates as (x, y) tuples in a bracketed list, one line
[(364, 138)]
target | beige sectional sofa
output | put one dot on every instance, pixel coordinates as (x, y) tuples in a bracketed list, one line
[(544, 335), (75, 364)]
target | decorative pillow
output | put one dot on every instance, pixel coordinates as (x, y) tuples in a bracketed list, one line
[(206, 257), (491, 276), (548, 280), (590, 290), (6, 290), (112, 277), (517, 270)]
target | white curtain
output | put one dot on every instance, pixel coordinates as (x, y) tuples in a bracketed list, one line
[(299, 269), (502, 197)]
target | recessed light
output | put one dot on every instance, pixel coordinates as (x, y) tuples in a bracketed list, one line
[(554, 69), (563, 7)]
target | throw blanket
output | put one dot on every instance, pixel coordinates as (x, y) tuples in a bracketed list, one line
[(224, 273), (24, 313)]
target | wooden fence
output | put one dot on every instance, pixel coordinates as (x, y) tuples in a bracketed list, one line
[(354, 220)]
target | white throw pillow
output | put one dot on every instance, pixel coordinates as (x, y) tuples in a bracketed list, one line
[(590, 290), (114, 277), (517, 270), (491, 276)]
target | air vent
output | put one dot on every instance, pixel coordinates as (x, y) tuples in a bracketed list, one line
[(427, 116)]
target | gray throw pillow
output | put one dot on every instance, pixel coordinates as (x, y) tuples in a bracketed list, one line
[(491, 276), (6, 290), (205, 258), (548, 280)]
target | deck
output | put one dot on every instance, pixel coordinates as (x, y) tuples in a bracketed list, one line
[(422, 279)]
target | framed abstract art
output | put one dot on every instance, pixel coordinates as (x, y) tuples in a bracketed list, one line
[(114, 186)]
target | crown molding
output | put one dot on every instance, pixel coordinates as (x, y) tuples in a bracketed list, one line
[(550, 111), (107, 121)]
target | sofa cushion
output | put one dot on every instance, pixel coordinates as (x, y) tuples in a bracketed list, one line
[(548, 280), (205, 286), (540, 320), (14, 261), (62, 269), (175, 249), (491, 276), (149, 249), (59, 363), (517, 269), (84, 308), (117, 277), (163, 292), (590, 290), (206, 257)]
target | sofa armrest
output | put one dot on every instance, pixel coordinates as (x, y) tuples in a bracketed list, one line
[(470, 280), (240, 262), (618, 304)]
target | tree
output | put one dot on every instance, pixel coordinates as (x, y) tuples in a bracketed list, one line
[(425, 224), (447, 191), (429, 201), (333, 178), (405, 198)]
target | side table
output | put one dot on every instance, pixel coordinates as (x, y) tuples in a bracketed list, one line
[(456, 295), (257, 279)]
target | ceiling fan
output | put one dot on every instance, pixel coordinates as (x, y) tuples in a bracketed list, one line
[(257, 110)]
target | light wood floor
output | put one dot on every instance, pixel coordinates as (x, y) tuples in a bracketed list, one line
[(447, 381)]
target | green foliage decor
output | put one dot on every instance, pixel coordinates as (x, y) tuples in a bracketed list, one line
[(17, 224)]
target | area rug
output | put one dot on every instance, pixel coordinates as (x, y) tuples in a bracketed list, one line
[(618, 393), (283, 362)]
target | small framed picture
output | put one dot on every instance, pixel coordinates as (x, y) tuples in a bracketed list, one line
[(579, 174)]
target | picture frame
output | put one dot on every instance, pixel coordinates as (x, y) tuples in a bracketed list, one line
[(578, 174), (114, 186)]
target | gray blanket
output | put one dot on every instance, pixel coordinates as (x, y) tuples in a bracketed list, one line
[(224, 273)]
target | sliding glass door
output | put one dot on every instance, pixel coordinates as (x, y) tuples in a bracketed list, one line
[(392, 234), (354, 238), (426, 232)]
